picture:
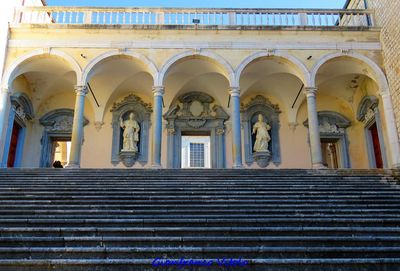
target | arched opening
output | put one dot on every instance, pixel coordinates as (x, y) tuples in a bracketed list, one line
[(196, 87), (344, 82), (47, 81), (280, 82)]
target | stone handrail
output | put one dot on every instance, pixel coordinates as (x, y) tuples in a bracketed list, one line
[(191, 16)]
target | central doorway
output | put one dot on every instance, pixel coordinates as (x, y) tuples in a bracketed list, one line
[(196, 151)]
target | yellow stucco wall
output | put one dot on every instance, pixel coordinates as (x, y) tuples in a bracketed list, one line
[(84, 45)]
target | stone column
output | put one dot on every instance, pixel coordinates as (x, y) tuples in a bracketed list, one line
[(4, 110), (158, 92), (77, 128), (236, 128), (313, 128), (391, 129)]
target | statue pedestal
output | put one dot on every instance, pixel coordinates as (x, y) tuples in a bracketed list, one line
[(128, 158), (262, 158)]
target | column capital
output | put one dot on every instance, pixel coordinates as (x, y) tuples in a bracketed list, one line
[(158, 90), (384, 94), (234, 91), (5, 90), (310, 91), (81, 90)]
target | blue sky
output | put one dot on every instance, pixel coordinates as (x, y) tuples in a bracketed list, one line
[(204, 3)]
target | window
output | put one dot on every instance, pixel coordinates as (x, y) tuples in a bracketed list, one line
[(196, 155)]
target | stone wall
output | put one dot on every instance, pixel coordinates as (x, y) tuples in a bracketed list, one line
[(387, 17)]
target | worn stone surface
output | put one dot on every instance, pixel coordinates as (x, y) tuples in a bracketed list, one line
[(124, 219)]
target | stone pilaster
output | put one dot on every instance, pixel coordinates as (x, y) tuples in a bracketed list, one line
[(313, 128), (391, 130), (77, 128), (236, 128), (4, 109), (158, 92)]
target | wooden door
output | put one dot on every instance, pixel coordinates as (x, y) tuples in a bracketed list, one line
[(13, 145), (376, 145)]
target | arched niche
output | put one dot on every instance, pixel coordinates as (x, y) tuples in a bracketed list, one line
[(193, 113), (368, 113), (142, 112), (20, 114), (57, 127), (332, 128), (250, 111)]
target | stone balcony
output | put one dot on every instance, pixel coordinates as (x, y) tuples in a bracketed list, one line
[(179, 18)]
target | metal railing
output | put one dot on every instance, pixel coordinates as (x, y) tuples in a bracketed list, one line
[(185, 16)]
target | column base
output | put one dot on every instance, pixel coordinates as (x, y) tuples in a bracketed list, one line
[(319, 166), (156, 166), (72, 166), (396, 166), (238, 166)]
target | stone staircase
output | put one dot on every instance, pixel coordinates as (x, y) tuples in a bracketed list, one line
[(261, 219)]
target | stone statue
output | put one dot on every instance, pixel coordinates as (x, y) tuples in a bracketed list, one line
[(262, 136), (131, 133)]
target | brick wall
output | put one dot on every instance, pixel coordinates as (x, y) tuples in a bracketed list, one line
[(387, 17)]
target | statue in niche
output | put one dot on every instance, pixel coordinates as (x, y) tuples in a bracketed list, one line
[(261, 129), (131, 133)]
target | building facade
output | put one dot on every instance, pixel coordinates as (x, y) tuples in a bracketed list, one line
[(178, 88)]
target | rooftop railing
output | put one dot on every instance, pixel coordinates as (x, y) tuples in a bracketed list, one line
[(185, 17)]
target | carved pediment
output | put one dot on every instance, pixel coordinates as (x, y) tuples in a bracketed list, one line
[(366, 110), (331, 123), (260, 100), (59, 120), (131, 99), (194, 109)]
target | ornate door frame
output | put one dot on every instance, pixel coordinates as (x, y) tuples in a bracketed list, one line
[(57, 125), (192, 113)]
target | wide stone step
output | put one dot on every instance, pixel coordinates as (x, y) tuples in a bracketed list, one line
[(55, 210), (39, 231), (206, 222), (315, 264), (253, 252), (210, 217), (205, 241)]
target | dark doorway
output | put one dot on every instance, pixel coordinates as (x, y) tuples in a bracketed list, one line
[(13, 144), (376, 145)]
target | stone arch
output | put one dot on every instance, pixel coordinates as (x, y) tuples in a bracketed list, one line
[(11, 71), (379, 75), (213, 57), (152, 69), (292, 59)]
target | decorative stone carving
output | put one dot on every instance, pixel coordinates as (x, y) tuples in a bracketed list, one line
[(191, 112), (59, 121), (98, 125), (328, 128), (368, 109), (22, 106), (261, 138), (131, 123), (261, 128), (131, 133)]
